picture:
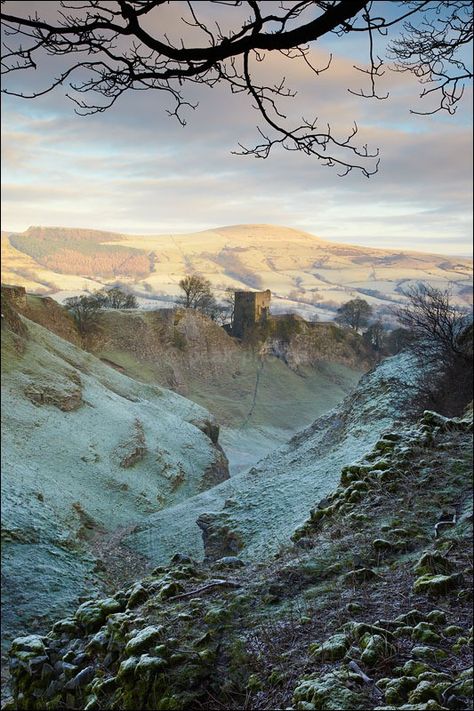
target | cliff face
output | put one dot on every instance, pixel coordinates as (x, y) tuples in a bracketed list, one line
[(315, 343)]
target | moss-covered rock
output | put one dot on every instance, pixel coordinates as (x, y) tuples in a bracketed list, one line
[(428, 653), (411, 618), (403, 631), (149, 665), (170, 590), (336, 691), (381, 544), (361, 575), (396, 691), (452, 631), (436, 617), (358, 629), (425, 632), (332, 649), (376, 649), (436, 585), (136, 595), (464, 683), (433, 563), (423, 692), (414, 668), (143, 639)]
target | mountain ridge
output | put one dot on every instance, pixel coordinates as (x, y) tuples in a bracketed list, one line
[(306, 274)]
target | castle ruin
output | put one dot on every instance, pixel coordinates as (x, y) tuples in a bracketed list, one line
[(251, 308)]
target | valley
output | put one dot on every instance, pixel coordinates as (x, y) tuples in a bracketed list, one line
[(155, 448), (96, 442), (173, 577)]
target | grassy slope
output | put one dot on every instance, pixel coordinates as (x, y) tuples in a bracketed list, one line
[(263, 505), (68, 424), (255, 641)]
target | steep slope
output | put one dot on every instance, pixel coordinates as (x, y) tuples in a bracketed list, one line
[(86, 452), (371, 609), (305, 273), (255, 511), (259, 400)]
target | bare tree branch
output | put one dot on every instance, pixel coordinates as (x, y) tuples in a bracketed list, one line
[(105, 50)]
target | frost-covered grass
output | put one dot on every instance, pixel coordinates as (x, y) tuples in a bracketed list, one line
[(62, 474), (265, 504)]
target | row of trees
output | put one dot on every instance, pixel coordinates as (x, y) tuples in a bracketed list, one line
[(86, 307)]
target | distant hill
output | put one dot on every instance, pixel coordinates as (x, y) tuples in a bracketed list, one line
[(306, 274)]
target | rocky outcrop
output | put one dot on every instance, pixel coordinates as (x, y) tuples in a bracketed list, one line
[(133, 448), (210, 428), (309, 344), (44, 395), (219, 537), (217, 472)]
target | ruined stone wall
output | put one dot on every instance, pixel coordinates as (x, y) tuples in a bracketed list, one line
[(251, 307)]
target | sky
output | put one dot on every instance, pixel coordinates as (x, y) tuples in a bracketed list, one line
[(133, 169)]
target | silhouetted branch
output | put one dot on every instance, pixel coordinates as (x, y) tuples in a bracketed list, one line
[(108, 49)]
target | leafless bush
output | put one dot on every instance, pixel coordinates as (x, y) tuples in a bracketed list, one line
[(442, 344)]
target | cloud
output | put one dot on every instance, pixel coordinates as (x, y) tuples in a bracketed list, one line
[(134, 169)]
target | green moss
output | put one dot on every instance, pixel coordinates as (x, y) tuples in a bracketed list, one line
[(331, 692), (436, 584), (428, 653), (423, 692), (433, 563), (332, 649), (425, 632), (143, 640), (437, 617), (396, 691)]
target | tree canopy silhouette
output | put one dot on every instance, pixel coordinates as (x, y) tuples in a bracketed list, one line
[(106, 49), (354, 313)]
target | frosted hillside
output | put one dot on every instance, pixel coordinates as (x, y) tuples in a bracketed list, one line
[(85, 451), (257, 511), (306, 274)]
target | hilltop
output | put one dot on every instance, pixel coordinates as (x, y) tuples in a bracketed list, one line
[(305, 273)]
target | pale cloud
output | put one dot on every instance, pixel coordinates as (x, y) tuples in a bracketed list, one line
[(133, 169)]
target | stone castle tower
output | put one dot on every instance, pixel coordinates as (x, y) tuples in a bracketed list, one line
[(251, 308)]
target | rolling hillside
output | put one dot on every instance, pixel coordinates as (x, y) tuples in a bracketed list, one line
[(306, 274)]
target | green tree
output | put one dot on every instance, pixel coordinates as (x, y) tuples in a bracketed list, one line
[(354, 313)]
